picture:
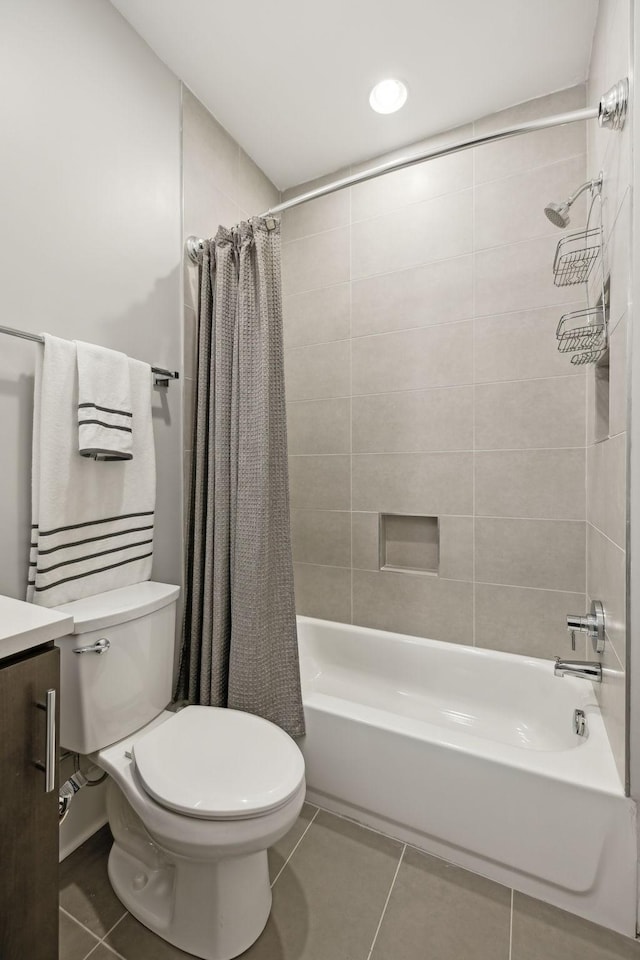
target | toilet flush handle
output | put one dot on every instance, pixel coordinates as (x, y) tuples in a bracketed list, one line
[(100, 646)]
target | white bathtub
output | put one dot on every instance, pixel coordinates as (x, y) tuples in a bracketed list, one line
[(471, 755)]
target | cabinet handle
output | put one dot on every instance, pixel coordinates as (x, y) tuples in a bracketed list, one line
[(49, 765)]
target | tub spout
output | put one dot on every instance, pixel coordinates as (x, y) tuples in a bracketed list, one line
[(587, 669)]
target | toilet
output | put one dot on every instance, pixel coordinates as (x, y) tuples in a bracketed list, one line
[(195, 797)]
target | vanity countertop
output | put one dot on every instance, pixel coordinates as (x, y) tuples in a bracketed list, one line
[(25, 625)]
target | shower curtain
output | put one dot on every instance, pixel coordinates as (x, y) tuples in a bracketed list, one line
[(239, 645)]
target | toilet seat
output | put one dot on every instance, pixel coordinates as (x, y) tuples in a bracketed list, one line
[(218, 764)]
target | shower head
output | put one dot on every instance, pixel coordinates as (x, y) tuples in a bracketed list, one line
[(558, 213)]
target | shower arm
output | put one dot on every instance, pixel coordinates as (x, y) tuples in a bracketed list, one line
[(611, 112), (595, 184)]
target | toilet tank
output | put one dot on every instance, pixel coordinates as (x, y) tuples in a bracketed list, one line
[(107, 696)]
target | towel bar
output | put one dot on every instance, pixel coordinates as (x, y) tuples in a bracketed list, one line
[(162, 376)]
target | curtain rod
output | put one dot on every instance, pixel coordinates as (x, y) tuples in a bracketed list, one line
[(162, 376), (611, 112)]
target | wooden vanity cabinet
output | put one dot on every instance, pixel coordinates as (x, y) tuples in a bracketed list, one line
[(28, 813)]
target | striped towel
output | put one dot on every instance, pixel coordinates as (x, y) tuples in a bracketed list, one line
[(92, 527), (104, 403)]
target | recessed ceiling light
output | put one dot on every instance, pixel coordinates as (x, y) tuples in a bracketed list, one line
[(388, 96)]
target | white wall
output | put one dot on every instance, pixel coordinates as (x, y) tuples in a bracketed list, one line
[(90, 245)]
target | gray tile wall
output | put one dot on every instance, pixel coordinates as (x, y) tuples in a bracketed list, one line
[(423, 378), (607, 446)]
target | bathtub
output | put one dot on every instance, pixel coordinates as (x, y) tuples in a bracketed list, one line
[(471, 755)]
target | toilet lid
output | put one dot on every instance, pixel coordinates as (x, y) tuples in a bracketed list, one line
[(218, 764)]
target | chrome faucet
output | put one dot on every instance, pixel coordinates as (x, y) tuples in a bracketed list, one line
[(593, 625), (587, 669)]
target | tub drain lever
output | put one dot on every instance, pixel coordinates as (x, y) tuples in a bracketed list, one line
[(579, 722)]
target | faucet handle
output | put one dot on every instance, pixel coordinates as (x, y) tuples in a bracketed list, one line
[(592, 625), (574, 623)]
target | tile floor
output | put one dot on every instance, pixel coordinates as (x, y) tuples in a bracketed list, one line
[(342, 892)]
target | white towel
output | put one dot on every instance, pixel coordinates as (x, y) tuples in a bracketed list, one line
[(104, 403), (92, 522)]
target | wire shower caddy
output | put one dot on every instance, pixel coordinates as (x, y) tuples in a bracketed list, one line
[(583, 333), (575, 257)]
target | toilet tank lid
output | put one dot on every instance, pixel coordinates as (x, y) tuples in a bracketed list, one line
[(118, 606)]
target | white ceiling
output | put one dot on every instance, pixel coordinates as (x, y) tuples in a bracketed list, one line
[(290, 80)]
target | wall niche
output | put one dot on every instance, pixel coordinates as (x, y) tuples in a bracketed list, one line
[(409, 543)]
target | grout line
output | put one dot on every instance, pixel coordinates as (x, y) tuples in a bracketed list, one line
[(80, 924), (457, 516), (386, 903), (311, 236), (453, 452), (323, 286), (462, 385), (106, 947), (511, 926), (519, 586), (612, 436), (587, 444), (615, 652), (427, 263), (603, 534), (273, 883), (420, 850), (492, 314), (325, 343), (465, 385), (385, 333), (466, 516), (93, 950), (433, 578), (351, 594), (437, 325), (408, 844), (111, 929), (535, 168), (449, 195), (474, 462), (554, 305), (99, 940)]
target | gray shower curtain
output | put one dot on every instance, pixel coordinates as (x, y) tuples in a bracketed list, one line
[(239, 645)]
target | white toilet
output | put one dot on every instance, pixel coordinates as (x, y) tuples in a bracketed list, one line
[(196, 797)]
